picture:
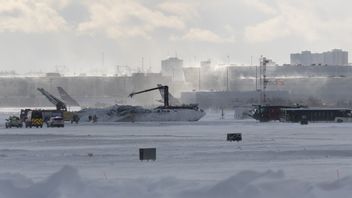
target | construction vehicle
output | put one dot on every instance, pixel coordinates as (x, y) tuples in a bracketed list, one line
[(34, 118)]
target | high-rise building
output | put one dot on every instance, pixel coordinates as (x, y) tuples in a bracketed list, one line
[(333, 57), (173, 67), (205, 64)]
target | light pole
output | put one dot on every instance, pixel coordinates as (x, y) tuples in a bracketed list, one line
[(199, 78), (227, 78)]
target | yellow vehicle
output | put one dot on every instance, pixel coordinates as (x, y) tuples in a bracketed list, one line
[(68, 116), (34, 119)]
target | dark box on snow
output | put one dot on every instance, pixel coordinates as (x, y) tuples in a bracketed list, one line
[(304, 122), (234, 137), (147, 154)]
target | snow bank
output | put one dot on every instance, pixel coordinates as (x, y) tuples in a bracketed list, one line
[(250, 184), (67, 183)]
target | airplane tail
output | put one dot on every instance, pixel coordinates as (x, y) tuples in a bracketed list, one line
[(67, 98)]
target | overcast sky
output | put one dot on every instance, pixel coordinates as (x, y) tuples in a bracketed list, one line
[(73, 35)]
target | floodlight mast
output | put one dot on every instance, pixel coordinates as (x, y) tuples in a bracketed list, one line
[(263, 79)]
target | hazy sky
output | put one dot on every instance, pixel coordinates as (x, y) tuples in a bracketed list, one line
[(72, 35)]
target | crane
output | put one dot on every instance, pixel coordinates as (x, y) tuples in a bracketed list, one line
[(60, 106), (164, 88)]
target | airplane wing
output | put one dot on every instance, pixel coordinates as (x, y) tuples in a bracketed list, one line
[(172, 99), (67, 98)]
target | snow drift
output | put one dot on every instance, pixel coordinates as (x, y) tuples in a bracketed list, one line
[(67, 183)]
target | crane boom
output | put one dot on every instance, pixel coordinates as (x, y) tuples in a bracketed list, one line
[(58, 103), (166, 93)]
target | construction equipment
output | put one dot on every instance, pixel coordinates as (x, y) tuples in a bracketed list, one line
[(61, 106), (165, 91)]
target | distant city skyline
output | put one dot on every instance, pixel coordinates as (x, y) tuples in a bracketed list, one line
[(334, 57), (94, 36)]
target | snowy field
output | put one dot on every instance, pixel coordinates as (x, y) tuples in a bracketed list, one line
[(193, 160)]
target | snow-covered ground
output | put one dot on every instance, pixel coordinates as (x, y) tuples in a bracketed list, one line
[(193, 160)]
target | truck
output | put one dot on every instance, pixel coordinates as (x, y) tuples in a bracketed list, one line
[(34, 118), (13, 121)]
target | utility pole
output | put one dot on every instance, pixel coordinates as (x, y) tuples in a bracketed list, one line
[(199, 78), (117, 70), (256, 74), (102, 61), (227, 78), (265, 81), (260, 80)]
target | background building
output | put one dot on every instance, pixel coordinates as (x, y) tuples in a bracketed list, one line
[(173, 67), (334, 57)]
